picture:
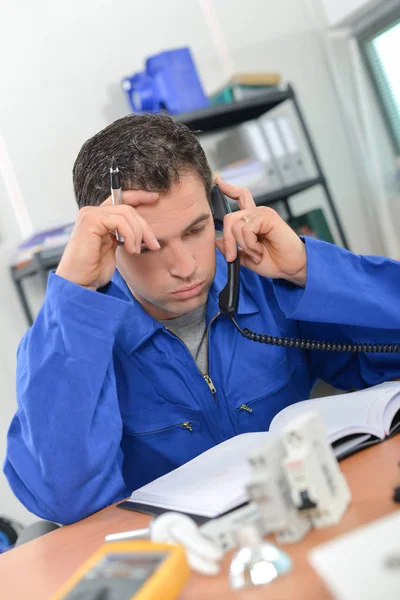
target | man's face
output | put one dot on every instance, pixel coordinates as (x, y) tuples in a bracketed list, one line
[(175, 279)]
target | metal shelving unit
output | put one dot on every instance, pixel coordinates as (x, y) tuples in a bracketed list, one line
[(39, 266), (219, 117)]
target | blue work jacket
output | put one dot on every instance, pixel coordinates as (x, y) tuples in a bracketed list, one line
[(109, 399)]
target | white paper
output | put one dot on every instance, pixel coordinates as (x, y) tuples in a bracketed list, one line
[(285, 128), (261, 150), (273, 137), (208, 485), (363, 564)]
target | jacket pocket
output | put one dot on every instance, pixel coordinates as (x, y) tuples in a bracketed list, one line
[(254, 410), (188, 425), (163, 419), (155, 443)]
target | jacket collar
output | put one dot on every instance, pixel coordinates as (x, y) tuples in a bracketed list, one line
[(138, 325)]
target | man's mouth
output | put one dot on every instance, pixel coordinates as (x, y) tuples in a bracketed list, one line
[(188, 291)]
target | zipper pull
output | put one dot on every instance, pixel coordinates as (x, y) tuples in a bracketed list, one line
[(209, 382), (246, 408), (187, 425)]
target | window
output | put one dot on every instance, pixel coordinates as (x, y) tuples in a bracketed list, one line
[(381, 49)]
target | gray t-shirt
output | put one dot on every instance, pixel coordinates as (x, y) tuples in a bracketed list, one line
[(191, 329)]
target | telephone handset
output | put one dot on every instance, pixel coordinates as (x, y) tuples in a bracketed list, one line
[(229, 297), (229, 300)]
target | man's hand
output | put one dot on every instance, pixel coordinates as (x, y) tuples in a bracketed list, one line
[(89, 257), (268, 245)]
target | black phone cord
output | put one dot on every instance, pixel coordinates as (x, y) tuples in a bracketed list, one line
[(314, 344)]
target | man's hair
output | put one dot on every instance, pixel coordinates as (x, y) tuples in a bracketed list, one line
[(152, 152)]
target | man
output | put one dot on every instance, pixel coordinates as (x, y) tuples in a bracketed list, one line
[(127, 373)]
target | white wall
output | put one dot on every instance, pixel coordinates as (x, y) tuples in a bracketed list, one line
[(62, 70), (63, 81), (369, 142), (299, 57), (12, 326), (340, 11), (62, 73), (254, 21)]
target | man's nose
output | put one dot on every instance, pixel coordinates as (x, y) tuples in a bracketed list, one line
[(182, 264)]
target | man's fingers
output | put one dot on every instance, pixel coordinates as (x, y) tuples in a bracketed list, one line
[(230, 247), (143, 232), (237, 227), (261, 223), (246, 240), (130, 215), (246, 260), (234, 226), (123, 218), (147, 234), (114, 221), (135, 197), (219, 242), (98, 219), (242, 195), (250, 239), (132, 198)]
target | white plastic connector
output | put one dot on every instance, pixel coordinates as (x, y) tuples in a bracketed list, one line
[(269, 489), (318, 487)]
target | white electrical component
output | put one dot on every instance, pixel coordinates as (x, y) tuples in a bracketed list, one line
[(318, 487), (222, 530), (176, 528), (269, 489)]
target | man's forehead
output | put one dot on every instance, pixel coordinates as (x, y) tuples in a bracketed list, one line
[(165, 210), (182, 204)]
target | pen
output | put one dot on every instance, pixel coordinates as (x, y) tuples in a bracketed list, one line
[(116, 192), (128, 535)]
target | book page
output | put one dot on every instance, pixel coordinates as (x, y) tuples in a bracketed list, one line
[(360, 412), (342, 448), (208, 485), (391, 408)]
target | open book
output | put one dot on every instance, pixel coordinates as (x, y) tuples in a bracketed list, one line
[(214, 482), (352, 421)]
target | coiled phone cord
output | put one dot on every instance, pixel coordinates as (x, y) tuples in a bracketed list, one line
[(314, 344)]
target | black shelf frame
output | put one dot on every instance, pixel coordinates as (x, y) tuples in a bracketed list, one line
[(221, 116), (213, 119), (40, 265), (206, 121)]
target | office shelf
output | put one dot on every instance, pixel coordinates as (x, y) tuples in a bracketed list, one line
[(215, 118), (41, 263), (44, 260), (227, 115), (283, 194), (287, 192)]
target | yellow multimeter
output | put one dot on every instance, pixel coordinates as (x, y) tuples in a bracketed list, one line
[(130, 570)]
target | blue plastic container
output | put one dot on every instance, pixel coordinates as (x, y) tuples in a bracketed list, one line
[(170, 83)]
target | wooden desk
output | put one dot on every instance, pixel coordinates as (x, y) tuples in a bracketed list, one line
[(38, 568)]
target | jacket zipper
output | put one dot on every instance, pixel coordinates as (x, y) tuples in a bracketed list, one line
[(209, 382), (249, 409), (205, 376), (185, 425)]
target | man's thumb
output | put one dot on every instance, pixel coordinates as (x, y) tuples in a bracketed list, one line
[(219, 242)]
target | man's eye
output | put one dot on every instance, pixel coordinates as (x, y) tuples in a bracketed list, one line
[(196, 230), (144, 250)]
